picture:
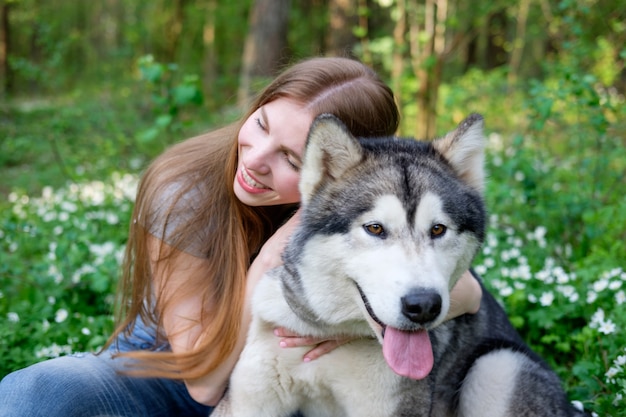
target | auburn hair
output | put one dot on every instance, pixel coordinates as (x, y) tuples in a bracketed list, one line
[(207, 165)]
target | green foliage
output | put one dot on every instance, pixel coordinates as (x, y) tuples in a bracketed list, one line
[(60, 255), (555, 250), (169, 97)]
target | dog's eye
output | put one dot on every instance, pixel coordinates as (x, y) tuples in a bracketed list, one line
[(438, 230), (375, 229)]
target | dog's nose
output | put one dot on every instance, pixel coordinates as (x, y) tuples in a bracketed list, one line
[(421, 306)]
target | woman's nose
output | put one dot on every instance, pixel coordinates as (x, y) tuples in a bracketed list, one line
[(257, 159)]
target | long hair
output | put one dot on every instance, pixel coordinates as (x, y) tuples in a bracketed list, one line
[(206, 165)]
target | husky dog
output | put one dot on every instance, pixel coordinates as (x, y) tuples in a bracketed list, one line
[(387, 228)]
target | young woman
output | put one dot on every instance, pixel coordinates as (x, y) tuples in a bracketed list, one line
[(212, 215)]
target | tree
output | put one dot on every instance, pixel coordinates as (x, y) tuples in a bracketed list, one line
[(340, 37), (209, 64), (5, 48), (265, 49), (175, 30), (429, 47)]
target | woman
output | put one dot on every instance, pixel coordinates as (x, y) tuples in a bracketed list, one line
[(212, 216)]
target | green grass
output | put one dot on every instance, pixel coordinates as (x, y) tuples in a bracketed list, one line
[(555, 253)]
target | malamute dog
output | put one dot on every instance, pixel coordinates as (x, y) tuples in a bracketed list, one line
[(387, 228)]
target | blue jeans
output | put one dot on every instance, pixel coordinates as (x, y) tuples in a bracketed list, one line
[(87, 385)]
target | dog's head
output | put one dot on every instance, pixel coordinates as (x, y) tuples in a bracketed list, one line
[(388, 227)]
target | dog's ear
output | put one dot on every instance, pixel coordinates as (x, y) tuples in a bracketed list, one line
[(330, 151), (464, 148)]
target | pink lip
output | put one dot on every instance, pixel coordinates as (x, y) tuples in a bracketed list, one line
[(246, 187)]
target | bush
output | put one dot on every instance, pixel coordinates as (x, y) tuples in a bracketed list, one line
[(60, 255)]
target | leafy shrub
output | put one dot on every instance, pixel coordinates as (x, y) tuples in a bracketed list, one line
[(555, 251), (59, 257)]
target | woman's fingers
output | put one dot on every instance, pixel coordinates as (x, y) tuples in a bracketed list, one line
[(321, 346)]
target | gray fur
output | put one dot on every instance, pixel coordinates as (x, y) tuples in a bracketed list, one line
[(368, 246)]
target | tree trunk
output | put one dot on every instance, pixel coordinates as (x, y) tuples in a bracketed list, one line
[(429, 49), (496, 26), (519, 41), (340, 37), (175, 30), (5, 48), (265, 46), (209, 65), (363, 30), (397, 68)]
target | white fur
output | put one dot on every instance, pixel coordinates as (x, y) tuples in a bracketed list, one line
[(490, 384)]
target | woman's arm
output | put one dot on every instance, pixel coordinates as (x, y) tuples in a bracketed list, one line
[(181, 323), (465, 296)]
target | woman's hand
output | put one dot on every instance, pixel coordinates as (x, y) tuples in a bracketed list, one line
[(465, 296), (321, 347)]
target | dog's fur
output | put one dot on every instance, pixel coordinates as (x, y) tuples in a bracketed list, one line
[(388, 226)]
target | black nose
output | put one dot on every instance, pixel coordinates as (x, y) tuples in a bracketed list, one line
[(421, 306)]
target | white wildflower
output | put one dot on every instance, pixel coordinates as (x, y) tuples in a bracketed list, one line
[(591, 296), (112, 218), (600, 285), (13, 317), (61, 315), (506, 291), (620, 297), (614, 285), (480, 269), (607, 327), (53, 351), (546, 298), (597, 318), (69, 206)]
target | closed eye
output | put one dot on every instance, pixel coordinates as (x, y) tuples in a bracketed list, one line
[(293, 165), (260, 124)]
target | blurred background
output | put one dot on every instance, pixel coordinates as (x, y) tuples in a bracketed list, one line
[(91, 91)]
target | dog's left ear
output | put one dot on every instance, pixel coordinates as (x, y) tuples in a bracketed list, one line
[(330, 151), (464, 148)]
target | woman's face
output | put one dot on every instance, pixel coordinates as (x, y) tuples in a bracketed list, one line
[(271, 143)]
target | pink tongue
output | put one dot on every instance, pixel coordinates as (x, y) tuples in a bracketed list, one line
[(408, 353)]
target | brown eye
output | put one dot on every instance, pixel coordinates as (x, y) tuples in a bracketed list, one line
[(375, 229), (438, 230)]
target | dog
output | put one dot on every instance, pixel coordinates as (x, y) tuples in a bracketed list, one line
[(388, 226)]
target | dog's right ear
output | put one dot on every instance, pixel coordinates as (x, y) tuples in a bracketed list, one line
[(464, 148), (330, 151)]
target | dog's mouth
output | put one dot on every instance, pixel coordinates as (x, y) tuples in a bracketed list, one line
[(408, 353)]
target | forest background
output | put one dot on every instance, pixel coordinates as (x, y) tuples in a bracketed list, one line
[(92, 91)]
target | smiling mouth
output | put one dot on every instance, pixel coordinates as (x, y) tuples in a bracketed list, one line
[(408, 353), (368, 307), (250, 182)]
